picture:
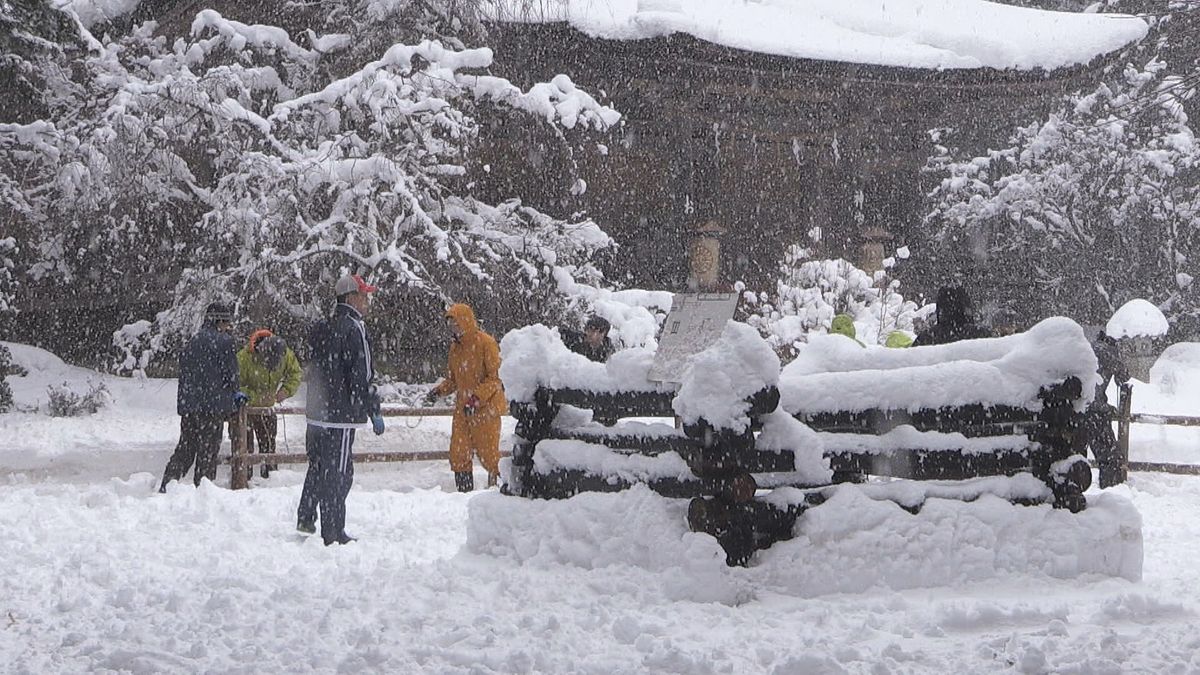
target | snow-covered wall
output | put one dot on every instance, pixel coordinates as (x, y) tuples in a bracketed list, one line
[(940, 34)]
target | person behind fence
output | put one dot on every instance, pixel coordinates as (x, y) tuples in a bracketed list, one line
[(208, 395), (593, 341), (473, 374), (1098, 423), (341, 399), (270, 374), (954, 319), (843, 324)]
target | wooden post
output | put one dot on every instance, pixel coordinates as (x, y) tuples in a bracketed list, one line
[(1124, 416), (239, 478)]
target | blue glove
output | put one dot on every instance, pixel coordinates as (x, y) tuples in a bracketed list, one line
[(240, 398), (377, 424)]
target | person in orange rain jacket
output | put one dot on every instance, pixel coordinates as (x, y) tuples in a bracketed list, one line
[(473, 374)]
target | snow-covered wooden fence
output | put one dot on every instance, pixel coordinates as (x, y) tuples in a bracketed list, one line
[(242, 461), (1126, 417), (1007, 407)]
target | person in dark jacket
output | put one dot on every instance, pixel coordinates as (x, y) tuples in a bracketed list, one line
[(954, 320), (593, 342), (1099, 419), (208, 396), (341, 399)]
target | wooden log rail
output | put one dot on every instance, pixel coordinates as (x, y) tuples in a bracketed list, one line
[(1126, 417), (242, 461)]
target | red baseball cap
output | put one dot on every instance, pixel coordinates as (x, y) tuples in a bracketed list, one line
[(353, 283)]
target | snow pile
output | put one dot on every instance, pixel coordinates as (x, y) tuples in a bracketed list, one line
[(719, 380), (781, 431), (1177, 370), (855, 541), (137, 408), (598, 530), (911, 33), (601, 460), (1137, 318), (535, 356), (852, 543), (833, 373)]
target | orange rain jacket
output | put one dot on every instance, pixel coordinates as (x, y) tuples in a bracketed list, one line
[(473, 372)]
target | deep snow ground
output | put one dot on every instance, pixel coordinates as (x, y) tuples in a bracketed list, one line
[(102, 574)]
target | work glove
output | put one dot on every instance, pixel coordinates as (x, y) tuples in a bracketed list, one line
[(431, 397), (472, 405), (240, 398), (377, 424), (280, 396)]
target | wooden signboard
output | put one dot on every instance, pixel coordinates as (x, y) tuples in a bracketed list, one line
[(694, 324)]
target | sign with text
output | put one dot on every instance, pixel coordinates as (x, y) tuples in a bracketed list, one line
[(694, 324)]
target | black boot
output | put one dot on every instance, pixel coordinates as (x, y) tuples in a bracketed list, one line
[(464, 481)]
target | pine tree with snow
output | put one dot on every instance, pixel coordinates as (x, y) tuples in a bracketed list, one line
[(1096, 204)]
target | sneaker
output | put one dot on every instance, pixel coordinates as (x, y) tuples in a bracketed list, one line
[(306, 527)]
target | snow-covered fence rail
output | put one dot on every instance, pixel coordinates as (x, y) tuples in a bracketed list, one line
[(999, 408), (241, 460), (1126, 417)]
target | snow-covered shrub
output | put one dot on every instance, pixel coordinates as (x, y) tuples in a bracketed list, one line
[(235, 165), (6, 394), (63, 401), (809, 293), (1092, 206)]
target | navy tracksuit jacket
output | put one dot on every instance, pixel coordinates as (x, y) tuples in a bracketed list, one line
[(340, 400)]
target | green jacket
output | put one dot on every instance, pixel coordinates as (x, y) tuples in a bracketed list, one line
[(261, 384)]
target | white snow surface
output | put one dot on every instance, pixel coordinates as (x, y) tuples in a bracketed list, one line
[(907, 437), (104, 575), (832, 373), (940, 34), (1137, 318)]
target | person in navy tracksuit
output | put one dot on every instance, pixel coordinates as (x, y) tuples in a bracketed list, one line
[(208, 395), (341, 399)]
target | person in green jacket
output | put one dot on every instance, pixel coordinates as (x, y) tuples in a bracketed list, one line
[(843, 324), (269, 373), (898, 339)]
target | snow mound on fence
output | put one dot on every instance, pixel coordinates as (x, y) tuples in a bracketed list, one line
[(851, 543), (836, 374), (719, 380), (535, 356)]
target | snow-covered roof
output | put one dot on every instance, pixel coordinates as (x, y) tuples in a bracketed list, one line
[(939, 34)]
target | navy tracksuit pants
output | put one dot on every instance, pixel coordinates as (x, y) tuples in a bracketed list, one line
[(330, 475)]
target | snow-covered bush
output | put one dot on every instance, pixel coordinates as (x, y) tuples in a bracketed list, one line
[(1096, 204), (234, 166), (809, 293), (63, 401), (6, 394)]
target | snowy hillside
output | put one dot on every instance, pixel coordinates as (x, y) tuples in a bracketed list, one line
[(106, 575)]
